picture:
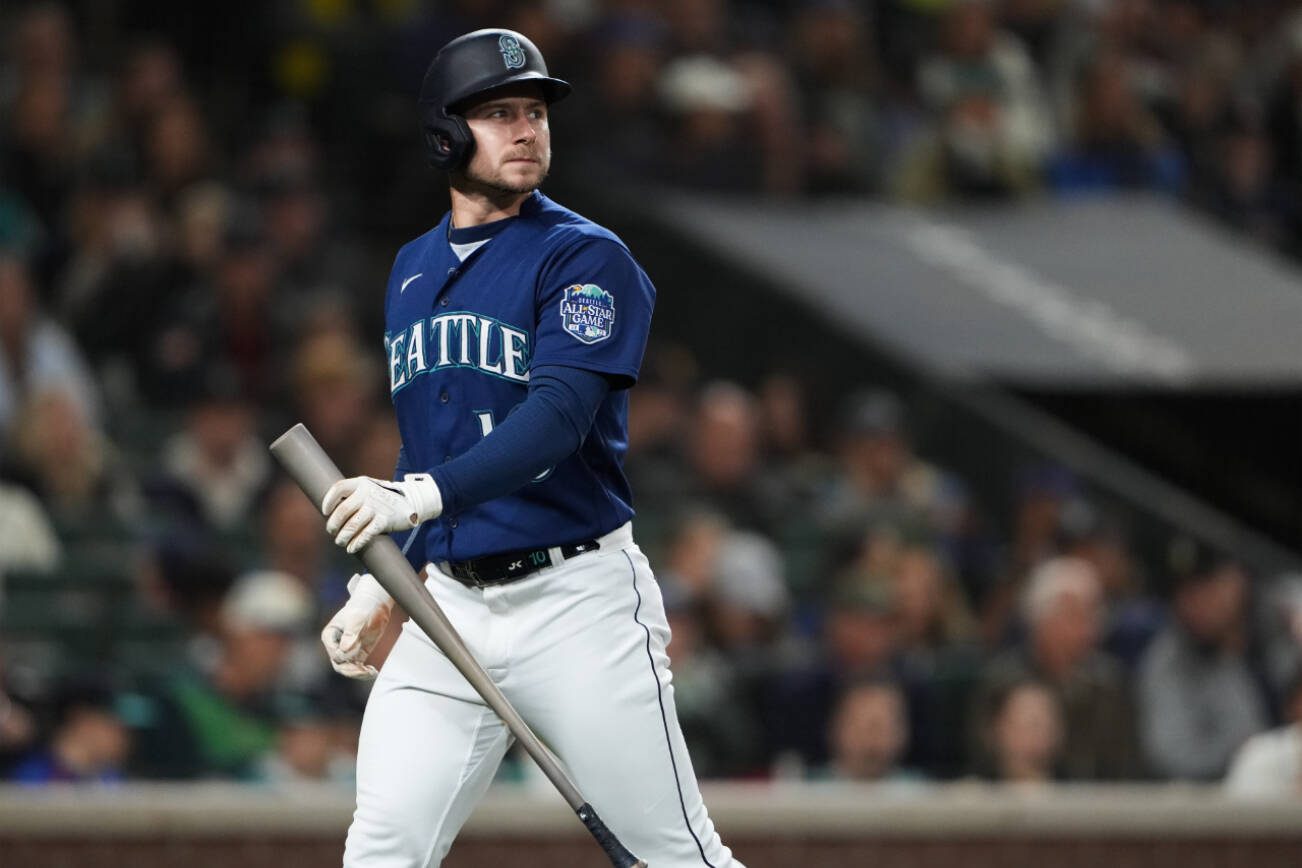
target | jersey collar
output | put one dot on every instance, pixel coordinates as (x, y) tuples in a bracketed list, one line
[(530, 206)]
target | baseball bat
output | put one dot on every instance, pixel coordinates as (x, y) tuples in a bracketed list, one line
[(309, 466)]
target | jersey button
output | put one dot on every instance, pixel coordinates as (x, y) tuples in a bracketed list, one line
[(443, 398), (447, 457), (453, 523), (452, 270), (443, 301)]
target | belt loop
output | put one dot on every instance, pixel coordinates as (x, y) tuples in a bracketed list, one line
[(556, 555)]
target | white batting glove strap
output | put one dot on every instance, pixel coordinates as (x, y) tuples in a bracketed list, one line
[(360, 508), (424, 494), (364, 587), (353, 631)]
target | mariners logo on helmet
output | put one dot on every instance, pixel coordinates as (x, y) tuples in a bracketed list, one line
[(512, 53), (588, 312)]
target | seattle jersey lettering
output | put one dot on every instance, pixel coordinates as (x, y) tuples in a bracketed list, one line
[(457, 340)]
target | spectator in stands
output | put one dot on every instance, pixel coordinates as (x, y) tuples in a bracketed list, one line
[(709, 102), (731, 585), (834, 64), (1130, 617), (1024, 735), (218, 461), (659, 410), (718, 67), (869, 734), (939, 652), (203, 216), (1284, 127), (1063, 610), (1196, 114), (178, 151), (1200, 695), (184, 578), (882, 480), (46, 106), (317, 264), (316, 740), (717, 717), (1277, 628), (1044, 493), (220, 719), (27, 537), (152, 77), (785, 432), (70, 465), (89, 740), (618, 130), (230, 319), (18, 729), (1037, 23), (747, 597), (798, 476), (993, 126), (294, 543), (335, 385), (36, 354), (692, 550), (119, 268), (931, 613), (1116, 143), (1242, 191), (858, 642), (1269, 764), (723, 467)]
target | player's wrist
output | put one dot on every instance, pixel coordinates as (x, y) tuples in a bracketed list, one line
[(423, 493), (364, 590)]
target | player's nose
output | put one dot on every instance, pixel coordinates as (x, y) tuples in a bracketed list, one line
[(524, 131)]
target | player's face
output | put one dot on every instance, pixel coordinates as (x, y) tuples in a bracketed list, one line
[(513, 144)]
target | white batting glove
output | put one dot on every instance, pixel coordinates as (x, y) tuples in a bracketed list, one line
[(360, 508), (354, 630)]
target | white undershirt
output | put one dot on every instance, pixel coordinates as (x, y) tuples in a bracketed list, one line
[(464, 250)]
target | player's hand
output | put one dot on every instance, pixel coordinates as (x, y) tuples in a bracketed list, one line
[(354, 630), (360, 508)]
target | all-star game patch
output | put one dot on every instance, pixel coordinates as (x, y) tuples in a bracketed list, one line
[(588, 312)]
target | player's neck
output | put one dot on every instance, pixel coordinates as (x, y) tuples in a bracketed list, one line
[(477, 206)]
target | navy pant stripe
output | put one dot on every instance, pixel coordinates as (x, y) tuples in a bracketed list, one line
[(663, 718)]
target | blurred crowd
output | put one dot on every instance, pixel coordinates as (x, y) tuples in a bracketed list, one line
[(190, 243)]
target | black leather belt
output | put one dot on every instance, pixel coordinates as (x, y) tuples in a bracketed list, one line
[(509, 566)]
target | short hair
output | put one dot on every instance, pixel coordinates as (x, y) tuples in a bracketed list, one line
[(1054, 578)]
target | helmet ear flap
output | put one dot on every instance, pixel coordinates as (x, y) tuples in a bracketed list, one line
[(448, 141)]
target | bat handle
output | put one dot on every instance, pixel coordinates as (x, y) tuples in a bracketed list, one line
[(617, 852)]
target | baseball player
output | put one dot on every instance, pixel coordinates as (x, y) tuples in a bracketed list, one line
[(514, 329)]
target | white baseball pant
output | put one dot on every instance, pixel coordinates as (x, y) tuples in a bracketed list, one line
[(579, 650)]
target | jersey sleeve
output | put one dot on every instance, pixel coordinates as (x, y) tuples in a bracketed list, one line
[(594, 311)]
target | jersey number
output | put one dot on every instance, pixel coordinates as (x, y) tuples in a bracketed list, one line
[(485, 418)]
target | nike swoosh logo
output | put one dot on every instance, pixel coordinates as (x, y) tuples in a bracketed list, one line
[(403, 288)]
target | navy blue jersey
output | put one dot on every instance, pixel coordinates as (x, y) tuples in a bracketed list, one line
[(548, 287)]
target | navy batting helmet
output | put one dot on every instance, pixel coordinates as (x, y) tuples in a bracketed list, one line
[(467, 66)]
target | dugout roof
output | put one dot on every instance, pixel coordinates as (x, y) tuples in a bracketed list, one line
[(1099, 292)]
